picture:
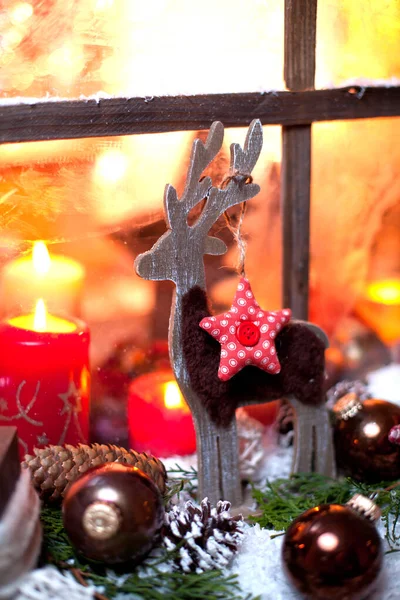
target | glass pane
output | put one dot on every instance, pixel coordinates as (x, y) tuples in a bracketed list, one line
[(97, 204), (355, 227), (357, 40), (132, 47)]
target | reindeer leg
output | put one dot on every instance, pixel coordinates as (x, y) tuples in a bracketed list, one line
[(208, 459), (229, 461), (325, 462), (313, 448)]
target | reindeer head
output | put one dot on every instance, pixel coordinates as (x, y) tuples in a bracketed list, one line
[(178, 254)]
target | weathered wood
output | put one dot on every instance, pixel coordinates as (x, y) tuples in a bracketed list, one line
[(313, 446), (300, 38), (178, 256), (299, 60), (296, 175), (121, 116), (313, 438), (9, 464)]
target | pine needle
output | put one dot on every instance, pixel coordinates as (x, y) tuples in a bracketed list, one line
[(283, 500), (279, 502), (187, 477), (149, 582)]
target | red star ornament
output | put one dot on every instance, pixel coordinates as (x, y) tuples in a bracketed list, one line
[(246, 334)]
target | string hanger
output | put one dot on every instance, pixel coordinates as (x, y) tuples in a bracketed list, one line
[(234, 224)]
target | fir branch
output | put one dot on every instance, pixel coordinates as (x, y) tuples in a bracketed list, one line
[(174, 488), (283, 500), (388, 500), (148, 582), (187, 478), (280, 502)]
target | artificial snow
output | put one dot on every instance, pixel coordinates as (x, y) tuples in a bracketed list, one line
[(362, 82), (258, 564), (259, 568), (50, 584)]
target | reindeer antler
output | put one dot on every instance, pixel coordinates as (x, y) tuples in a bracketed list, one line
[(237, 190), (195, 190), (178, 254)]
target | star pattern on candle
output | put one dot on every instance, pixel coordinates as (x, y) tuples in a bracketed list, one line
[(71, 399), (23, 410), (246, 334), (42, 440)]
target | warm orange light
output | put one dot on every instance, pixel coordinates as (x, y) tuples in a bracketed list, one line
[(379, 308), (41, 258), (103, 4), (111, 166), (21, 12), (172, 395), (85, 381), (11, 38), (386, 291), (41, 321), (40, 316), (66, 62)]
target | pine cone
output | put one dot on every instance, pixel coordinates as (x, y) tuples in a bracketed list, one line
[(206, 538), (55, 468), (344, 387)]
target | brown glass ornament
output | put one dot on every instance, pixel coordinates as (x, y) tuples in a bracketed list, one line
[(331, 552), (355, 351), (113, 513), (363, 450)]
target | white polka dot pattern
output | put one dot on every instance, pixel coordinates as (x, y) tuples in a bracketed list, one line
[(265, 326)]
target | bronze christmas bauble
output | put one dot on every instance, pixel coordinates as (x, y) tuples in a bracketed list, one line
[(113, 513), (331, 552), (363, 450)]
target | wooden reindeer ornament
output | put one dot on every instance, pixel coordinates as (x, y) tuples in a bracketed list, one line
[(178, 256)]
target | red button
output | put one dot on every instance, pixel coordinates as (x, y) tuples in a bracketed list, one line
[(248, 333)]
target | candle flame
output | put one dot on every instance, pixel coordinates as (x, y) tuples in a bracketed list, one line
[(172, 395), (386, 291), (41, 258), (40, 317)]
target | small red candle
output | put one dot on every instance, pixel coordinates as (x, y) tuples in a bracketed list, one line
[(44, 379), (160, 421)]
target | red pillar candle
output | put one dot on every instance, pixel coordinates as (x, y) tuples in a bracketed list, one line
[(44, 379), (160, 421)]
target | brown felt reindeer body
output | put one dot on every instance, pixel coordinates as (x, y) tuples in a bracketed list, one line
[(178, 256)]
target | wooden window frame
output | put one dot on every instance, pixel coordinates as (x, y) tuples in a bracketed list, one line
[(295, 110)]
